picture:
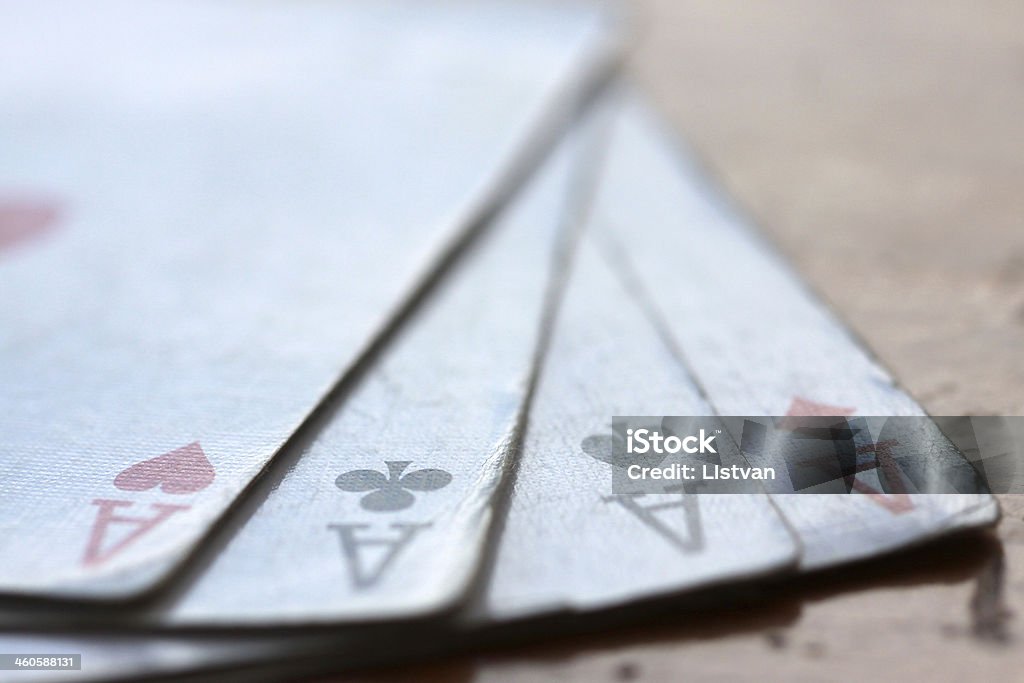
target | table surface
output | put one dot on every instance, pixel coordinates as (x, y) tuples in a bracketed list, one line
[(881, 145)]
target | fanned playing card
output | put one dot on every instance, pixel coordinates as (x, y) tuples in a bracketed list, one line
[(208, 212), (755, 338), (385, 515), (674, 307), (568, 542)]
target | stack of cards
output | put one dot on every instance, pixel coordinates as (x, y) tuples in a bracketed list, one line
[(315, 319)]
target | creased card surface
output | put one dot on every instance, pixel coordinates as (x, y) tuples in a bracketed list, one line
[(385, 515), (755, 338), (207, 212), (567, 542)]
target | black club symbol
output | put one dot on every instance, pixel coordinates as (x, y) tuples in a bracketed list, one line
[(391, 492)]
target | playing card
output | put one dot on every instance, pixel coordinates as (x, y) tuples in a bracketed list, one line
[(208, 212), (385, 514), (350, 533), (614, 350), (381, 545), (567, 542), (755, 338)]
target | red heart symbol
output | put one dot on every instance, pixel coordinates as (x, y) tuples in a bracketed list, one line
[(183, 470), (21, 219)]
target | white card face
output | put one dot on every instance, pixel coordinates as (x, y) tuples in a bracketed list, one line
[(567, 543), (385, 514), (207, 213), (566, 547), (756, 339)]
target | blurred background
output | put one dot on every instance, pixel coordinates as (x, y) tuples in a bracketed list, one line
[(881, 146)]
